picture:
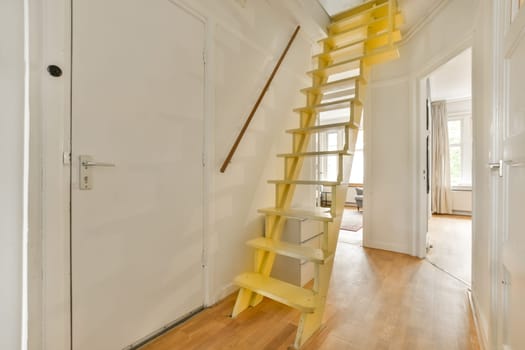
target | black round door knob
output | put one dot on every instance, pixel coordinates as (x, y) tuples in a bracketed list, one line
[(55, 71)]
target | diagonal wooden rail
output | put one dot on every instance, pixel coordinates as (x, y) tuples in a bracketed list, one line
[(254, 109)]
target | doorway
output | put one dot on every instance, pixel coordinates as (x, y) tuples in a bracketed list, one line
[(137, 136), (449, 166)]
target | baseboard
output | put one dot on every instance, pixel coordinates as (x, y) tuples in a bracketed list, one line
[(226, 291), (480, 329), (397, 248), (462, 212)]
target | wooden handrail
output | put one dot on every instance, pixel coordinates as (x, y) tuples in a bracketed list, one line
[(254, 109)]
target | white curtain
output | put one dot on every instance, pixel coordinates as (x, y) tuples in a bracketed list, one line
[(441, 188)]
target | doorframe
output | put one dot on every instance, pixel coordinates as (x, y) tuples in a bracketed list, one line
[(421, 195), (50, 36)]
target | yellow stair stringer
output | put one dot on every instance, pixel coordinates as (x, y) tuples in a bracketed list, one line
[(284, 194), (374, 51)]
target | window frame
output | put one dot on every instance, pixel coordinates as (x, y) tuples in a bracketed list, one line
[(465, 146)]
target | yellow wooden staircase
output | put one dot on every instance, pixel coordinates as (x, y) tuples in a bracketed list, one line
[(357, 39)]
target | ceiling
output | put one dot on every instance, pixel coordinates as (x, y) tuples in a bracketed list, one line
[(414, 11), (333, 7)]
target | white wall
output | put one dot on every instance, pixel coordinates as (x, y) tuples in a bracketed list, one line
[(11, 176), (394, 150), (245, 45)]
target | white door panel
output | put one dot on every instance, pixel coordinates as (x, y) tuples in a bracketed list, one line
[(513, 199), (137, 102)]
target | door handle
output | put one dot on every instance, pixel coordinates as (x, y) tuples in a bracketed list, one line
[(88, 163), (497, 166), (86, 177)]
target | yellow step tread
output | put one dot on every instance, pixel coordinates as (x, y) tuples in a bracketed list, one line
[(315, 153), (396, 35), (315, 255), (356, 10), (347, 83), (299, 298), (318, 214), (375, 24), (372, 28), (352, 35), (328, 106), (340, 95), (353, 21), (304, 182), (341, 51), (319, 128), (337, 67)]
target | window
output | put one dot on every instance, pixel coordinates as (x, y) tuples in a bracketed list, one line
[(460, 149), (335, 140), (332, 144), (358, 163)]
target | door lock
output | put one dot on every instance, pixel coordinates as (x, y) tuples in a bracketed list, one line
[(86, 163)]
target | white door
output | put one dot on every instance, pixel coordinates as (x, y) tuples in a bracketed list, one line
[(512, 335), (136, 235)]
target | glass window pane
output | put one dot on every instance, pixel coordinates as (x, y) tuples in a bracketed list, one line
[(331, 168), (454, 132), (455, 165), (332, 142)]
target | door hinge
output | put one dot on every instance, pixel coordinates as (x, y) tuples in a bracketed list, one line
[(203, 160), (204, 56), (66, 158)]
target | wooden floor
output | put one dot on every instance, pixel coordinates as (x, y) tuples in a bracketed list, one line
[(451, 240), (378, 300)]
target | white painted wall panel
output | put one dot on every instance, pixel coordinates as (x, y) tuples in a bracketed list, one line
[(387, 207), (392, 138)]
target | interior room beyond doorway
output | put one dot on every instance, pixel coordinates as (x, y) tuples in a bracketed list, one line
[(449, 152)]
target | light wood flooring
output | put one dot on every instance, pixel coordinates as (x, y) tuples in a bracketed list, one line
[(451, 240), (378, 300)]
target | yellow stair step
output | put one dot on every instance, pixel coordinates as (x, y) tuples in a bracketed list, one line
[(319, 128), (359, 19), (315, 255), (313, 154), (334, 86), (299, 298), (304, 182), (354, 35), (357, 9), (350, 52), (328, 106), (340, 67), (318, 214), (368, 30)]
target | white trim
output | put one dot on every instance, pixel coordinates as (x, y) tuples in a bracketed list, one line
[(398, 248), (208, 154), (499, 95), (55, 97), (420, 234), (479, 322)]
